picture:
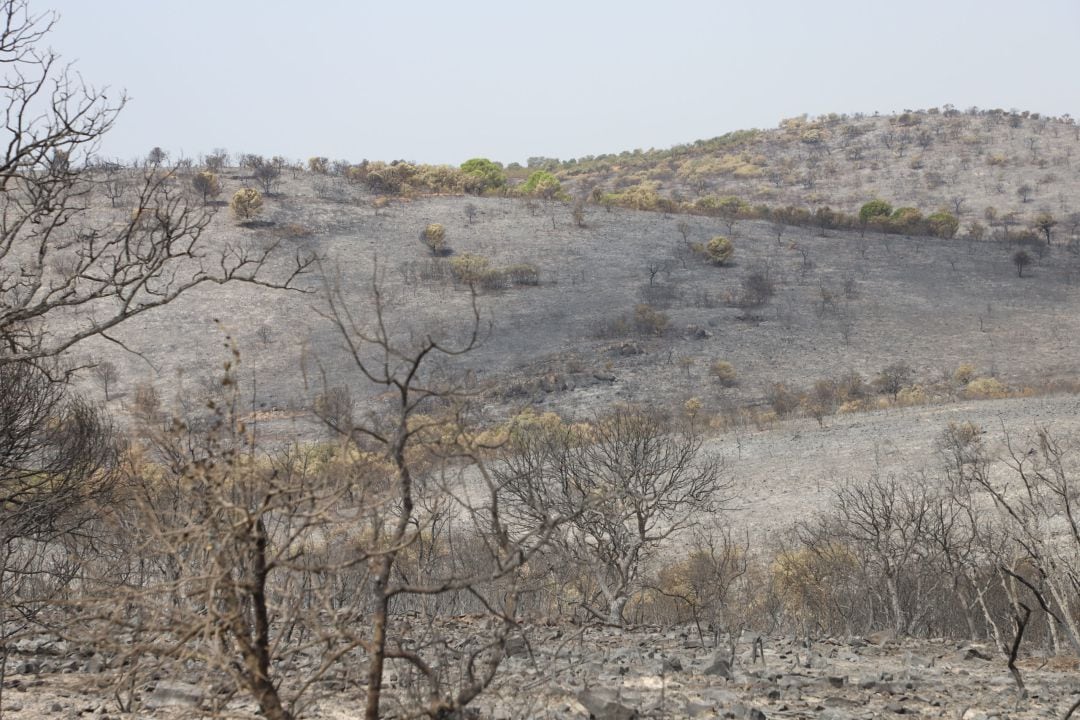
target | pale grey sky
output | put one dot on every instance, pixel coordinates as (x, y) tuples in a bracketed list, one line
[(441, 82)]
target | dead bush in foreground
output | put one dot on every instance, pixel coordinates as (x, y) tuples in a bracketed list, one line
[(240, 563), (628, 482)]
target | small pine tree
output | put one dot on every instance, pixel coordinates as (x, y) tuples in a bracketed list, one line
[(246, 204), (434, 236), (720, 250), (206, 184)]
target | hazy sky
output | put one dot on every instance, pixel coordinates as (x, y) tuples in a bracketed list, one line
[(446, 81)]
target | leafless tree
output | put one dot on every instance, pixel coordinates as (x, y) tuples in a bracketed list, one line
[(106, 374), (1021, 259), (882, 521), (58, 462), (112, 272), (1041, 520), (894, 378), (412, 425), (267, 173), (247, 561), (67, 278), (629, 483)]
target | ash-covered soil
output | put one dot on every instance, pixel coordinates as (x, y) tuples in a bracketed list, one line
[(577, 673), (843, 303)]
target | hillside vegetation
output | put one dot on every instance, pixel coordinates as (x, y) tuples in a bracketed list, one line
[(998, 168)]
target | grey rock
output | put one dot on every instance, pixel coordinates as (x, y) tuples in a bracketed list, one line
[(174, 694), (719, 666), (94, 664), (833, 714), (698, 710), (718, 697), (601, 705), (604, 376), (749, 636), (918, 661), (27, 667), (882, 637), (837, 681), (516, 645)]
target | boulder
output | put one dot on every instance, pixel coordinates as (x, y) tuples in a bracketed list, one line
[(602, 705)]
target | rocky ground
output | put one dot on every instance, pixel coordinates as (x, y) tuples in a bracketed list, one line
[(611, 674)]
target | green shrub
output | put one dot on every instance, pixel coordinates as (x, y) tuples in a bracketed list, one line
[(874, 211), (719, 250), (542, 184), (469, 268), (439, 179), (637, 197), (985, 388), (483, 175), (906, 220), (943, 224)]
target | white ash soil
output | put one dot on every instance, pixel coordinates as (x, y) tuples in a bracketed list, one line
[(606, 673), (932, 303), (789, 473)]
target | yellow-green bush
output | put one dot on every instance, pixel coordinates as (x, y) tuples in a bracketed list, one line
[(649, 320), (434, 236), (469, 268), (246, 203), (913, 395), (985, 388), (719, 250), (638, 197), (724, 372), (965, 373)]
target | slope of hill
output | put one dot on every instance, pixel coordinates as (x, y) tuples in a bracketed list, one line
[(964, 162), (623, 310)]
